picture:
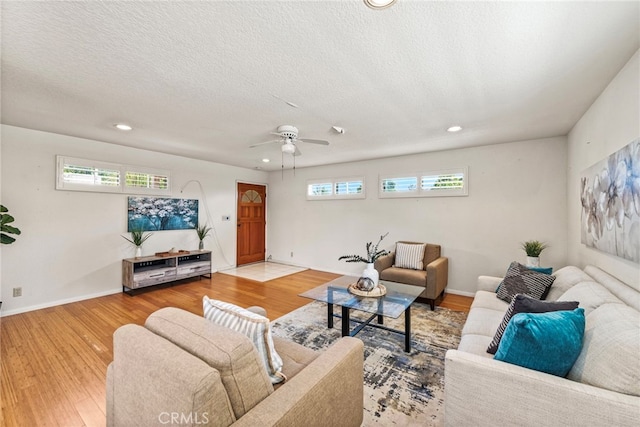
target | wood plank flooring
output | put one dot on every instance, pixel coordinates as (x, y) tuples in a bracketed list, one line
[(54, 360)]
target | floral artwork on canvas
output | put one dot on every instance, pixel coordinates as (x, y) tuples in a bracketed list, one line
[(610, 196)]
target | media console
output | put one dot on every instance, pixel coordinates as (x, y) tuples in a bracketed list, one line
[(155, 270)]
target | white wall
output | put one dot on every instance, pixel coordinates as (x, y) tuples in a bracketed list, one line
[(70, 247), (517, 192), (612, 122)]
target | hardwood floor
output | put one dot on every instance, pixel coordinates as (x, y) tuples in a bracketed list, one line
[(54, 360)]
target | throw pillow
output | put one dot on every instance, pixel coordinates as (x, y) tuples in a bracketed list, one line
[(410, 256), (522, 303), (547, 342), (543, 270), (254, 326), (520, 280)]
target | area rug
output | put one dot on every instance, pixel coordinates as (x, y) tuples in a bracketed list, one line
[(403, 389)]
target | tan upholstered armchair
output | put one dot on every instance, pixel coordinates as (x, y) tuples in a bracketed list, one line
[(433, 277)]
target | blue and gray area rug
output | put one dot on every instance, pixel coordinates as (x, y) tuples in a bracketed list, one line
[(402, 389)]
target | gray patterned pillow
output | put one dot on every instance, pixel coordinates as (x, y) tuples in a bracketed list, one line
[(520, 280), (522, 303)]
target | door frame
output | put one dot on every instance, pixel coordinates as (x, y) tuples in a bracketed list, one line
[(266, 190)]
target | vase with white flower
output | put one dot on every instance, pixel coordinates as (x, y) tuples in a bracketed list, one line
[(370, 276)]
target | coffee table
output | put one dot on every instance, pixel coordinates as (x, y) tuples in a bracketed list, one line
[(396, 301)]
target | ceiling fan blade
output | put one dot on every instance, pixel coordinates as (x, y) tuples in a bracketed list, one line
[(266, 142), (314, 141)]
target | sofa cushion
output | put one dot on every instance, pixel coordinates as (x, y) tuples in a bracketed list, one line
[(627, 293), (295, 357), (547, 342), (409, 256), (590, 295), (520, 280), (610, 356), (405, 275), (230, 353), (475, 344), (256, 327), (522, 303), (482, 321), (566, 277), (485, 299)]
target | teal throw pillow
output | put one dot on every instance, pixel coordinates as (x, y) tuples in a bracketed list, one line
[(547, 342), (543, 270)]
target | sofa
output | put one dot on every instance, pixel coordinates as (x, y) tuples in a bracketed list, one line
[(180, 368), (601, 389), (433, 277)]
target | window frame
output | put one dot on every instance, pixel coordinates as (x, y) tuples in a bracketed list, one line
[(334, 182), (122, 169), (422, 192)]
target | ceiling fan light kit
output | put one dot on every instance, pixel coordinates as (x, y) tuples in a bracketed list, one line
[(379, 4)]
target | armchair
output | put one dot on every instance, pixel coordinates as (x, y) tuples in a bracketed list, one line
[(433, 277)]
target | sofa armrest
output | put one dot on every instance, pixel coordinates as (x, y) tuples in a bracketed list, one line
[(328, 392), (437, 277), (384, 262), (485, 392), (488, 283)]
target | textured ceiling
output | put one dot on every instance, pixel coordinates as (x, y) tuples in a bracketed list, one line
[(208, 79)]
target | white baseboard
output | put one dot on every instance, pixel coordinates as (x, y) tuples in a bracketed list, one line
[(463, 293), (60, 302)]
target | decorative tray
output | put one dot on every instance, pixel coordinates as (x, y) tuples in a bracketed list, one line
[(166, 254), (378, 291)]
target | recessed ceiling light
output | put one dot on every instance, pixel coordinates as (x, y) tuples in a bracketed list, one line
[(122, 126), (454, 129), (379, 4), (266, 160)]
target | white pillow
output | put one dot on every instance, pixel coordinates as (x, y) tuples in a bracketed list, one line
[(254, 326), (410, 256)]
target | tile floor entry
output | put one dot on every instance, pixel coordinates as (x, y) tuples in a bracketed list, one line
[(263, 271)]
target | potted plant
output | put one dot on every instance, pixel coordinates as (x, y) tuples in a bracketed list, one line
[(5, 220), (533, 248), (373, 253), (202, 231), (138, 238)]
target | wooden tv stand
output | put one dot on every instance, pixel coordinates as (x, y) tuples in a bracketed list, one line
[(155, 270)]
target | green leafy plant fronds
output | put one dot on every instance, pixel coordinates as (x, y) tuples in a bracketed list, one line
[(137, 237), (5, 220), (372, 253), (202, 231), (533, 248)]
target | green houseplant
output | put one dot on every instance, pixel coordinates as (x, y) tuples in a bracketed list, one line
[(5, 220), (370, 276), (138, 238), (202, 231), (533, 249)]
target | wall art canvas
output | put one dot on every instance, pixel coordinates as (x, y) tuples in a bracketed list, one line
[(158, 213), (610, 196)]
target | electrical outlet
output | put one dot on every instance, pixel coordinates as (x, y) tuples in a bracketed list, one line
[(17, 292)]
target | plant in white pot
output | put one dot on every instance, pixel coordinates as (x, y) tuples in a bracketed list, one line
[(202, 231), (533, 249), (370, 276), (138, 238)]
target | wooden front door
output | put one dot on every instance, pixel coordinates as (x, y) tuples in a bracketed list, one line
[(252, 205)]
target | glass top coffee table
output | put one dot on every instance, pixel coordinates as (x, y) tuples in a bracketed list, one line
[(396, 301)]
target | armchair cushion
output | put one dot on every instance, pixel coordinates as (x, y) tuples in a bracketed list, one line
[(410, 256), (405, 275)]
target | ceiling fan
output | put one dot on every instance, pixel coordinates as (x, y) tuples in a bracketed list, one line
[(288, 138)]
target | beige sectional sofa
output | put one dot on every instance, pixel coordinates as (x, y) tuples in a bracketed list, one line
[(602, 388), (181, 369)]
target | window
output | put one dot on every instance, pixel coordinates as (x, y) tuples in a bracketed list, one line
[(451, 182), (91, 175), (338, 188)]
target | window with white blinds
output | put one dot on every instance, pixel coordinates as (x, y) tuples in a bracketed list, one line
[(450, 182), (336, 188), (76, 174)]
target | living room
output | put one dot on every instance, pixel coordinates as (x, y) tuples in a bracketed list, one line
[(71, 246)]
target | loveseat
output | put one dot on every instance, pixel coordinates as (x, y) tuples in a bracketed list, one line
[(433, 276), (181, 369), (601, 389)]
